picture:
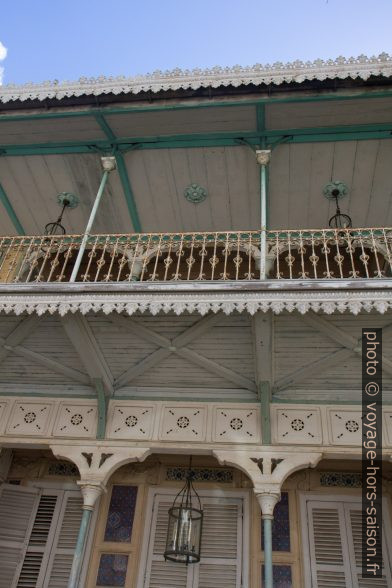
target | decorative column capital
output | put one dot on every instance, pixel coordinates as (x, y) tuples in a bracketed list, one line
[(267, 500), (263, 156), (90, 492)]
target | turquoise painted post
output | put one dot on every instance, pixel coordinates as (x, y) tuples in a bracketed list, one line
[(268, 571), (267, 500), (265, 402), (91, 219), (262, 158), (79, 549), (102, 408)]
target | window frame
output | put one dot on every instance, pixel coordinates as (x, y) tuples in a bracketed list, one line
[(129, 548)]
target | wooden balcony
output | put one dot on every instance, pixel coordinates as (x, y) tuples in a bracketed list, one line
[(320, 254)]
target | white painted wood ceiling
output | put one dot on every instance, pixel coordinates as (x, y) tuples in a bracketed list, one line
[(298, 172)]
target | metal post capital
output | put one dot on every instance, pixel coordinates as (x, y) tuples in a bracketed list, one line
[(91, 492), (263, 156), (267, 501)]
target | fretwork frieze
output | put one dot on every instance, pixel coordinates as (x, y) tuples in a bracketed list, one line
[(186, 422)]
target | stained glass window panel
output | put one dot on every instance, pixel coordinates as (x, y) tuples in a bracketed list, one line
[(112, 569), (121, 514), (281, 576), (280, 526)]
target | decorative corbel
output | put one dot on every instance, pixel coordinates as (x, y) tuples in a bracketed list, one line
[(97, 463)]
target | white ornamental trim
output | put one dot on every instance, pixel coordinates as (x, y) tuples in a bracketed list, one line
[(278, 73), (251, 302)]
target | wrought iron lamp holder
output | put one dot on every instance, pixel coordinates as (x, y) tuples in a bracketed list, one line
[(336, 191)]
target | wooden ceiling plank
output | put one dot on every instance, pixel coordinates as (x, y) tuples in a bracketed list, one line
[(380, 208), (52, 365), (83, 340), (313, 368), (263, 346), (279, 188), (361, 188), (19, 334), (342, 337), (141, 367), (217, 368), (177, 346)]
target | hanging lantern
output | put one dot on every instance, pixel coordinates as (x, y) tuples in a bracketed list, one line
[(185, 525), (336, 191)]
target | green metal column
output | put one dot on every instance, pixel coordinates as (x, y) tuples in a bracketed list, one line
[(79, 549), (268, 568), (263, 157), (267, 500), (91, 219)]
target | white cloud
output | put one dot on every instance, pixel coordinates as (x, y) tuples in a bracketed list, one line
[(3, 51), (3, 55)]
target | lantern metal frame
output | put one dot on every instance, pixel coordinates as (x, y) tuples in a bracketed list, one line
[(65, 200), (184, 521), (335, 191)]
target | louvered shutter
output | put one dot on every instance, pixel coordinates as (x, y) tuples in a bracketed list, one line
[(221, 548), (64, 541), (17, 509), (353, 515), (35, 561), (221, 545), (161, 573), (328, 545)]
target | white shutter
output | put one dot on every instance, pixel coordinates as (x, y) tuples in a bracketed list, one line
[(221, 547), (353, 516), (334, 530), (328, 545), (18, 505), (64, 541), (221, 544), (161, 573), (36, 557)]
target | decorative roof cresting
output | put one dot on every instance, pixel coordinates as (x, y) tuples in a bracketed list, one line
[(278, 73)]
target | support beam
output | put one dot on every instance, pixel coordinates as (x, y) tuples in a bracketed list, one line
[(177, 346), (91, 492), (11, 212), (102, 409), (122, 172), (128, 193), (350, 346), (265, 407), (340, 336), (271, 137), (263, 345), (312, 368), (108, 165), (52, 365), (83, 340), (19, 334)]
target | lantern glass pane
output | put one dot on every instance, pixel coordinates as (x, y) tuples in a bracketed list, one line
[(184, 535)]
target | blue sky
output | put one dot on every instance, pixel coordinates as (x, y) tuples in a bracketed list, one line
[(66, 39)]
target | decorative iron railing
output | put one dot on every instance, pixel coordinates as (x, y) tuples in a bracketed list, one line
[(242, 255)]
